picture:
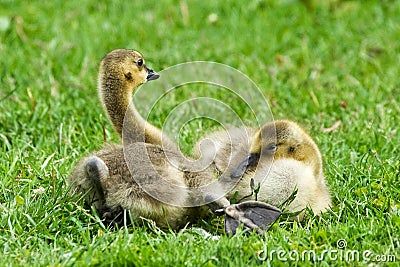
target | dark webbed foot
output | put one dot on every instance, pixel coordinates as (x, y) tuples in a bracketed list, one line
[(97, 171), (216, 204), (254, 215)]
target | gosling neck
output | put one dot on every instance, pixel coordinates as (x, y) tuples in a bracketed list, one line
[(117, 100)]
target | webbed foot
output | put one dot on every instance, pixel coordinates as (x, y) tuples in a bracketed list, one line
[(254, 215), (94, 173), (97, 171)]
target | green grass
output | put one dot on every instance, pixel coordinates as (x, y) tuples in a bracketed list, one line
[(316, 63)]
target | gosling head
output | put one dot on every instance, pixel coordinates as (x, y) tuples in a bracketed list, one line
[(121, 72), (277, 140), (124, 70)]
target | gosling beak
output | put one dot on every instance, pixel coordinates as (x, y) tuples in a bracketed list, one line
[(250, 161), (151, 74)]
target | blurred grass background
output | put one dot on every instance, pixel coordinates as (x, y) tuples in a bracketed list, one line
[(318, 63)]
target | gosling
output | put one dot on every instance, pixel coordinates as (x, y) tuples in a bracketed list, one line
[(113, 178), (275, 160)]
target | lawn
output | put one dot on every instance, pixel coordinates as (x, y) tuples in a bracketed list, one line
[(332, 66)]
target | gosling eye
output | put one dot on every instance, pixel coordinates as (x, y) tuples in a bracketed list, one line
[(272, 147), (139, 62)]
